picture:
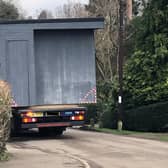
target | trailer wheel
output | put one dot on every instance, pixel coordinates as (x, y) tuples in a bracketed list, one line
[(58, 131), (14, 129), (44, 131), (51, 131)]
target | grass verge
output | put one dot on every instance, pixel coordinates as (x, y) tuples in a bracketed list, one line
[(144, 135)]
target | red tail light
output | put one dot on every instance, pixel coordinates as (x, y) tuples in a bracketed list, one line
[(29, 120), (80, 112), (77, 118)]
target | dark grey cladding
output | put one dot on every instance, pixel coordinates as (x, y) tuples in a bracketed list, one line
[(49, 61)]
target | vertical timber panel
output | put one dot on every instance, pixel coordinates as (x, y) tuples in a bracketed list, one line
[(32, 78), (65, 66), (2, 58), (17, 70)]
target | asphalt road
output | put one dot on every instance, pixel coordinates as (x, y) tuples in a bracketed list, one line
[(80, 148)]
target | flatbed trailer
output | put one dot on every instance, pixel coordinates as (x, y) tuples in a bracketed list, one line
[(55, 118)]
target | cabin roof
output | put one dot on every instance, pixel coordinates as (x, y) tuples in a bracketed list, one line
[(59, 20)]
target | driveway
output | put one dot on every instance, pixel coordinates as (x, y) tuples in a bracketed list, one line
[(82, 149)]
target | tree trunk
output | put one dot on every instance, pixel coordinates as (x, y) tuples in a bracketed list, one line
[(129, 10)]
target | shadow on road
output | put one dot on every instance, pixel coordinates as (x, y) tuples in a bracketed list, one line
[(35, 135)]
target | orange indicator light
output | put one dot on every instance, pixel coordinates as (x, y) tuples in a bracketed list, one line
[(77, 118), (29, 120), (29, 114)]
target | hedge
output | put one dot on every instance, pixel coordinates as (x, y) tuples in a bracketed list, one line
[(152, 117)]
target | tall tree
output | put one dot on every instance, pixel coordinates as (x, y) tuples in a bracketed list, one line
[(147, 69), (138, 6), (45, 14), (107, 39), (129, 10), (8, 10), (71, 10)]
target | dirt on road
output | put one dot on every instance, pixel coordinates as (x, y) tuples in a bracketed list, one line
[(77, 149)]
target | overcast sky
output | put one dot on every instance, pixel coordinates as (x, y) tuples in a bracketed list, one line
[(32, 7)]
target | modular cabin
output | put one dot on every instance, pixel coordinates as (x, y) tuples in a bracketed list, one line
[(49, 61)]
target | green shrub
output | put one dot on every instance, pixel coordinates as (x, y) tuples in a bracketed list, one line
[(91, 113), (152, 117), (109, 118), (5, 114), (104, 112), (106, 106)]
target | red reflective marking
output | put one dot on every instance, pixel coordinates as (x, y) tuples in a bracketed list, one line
[(53, 124)]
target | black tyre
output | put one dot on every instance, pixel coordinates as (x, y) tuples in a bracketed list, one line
[(51, 131), (58, 131), (44, 131)]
